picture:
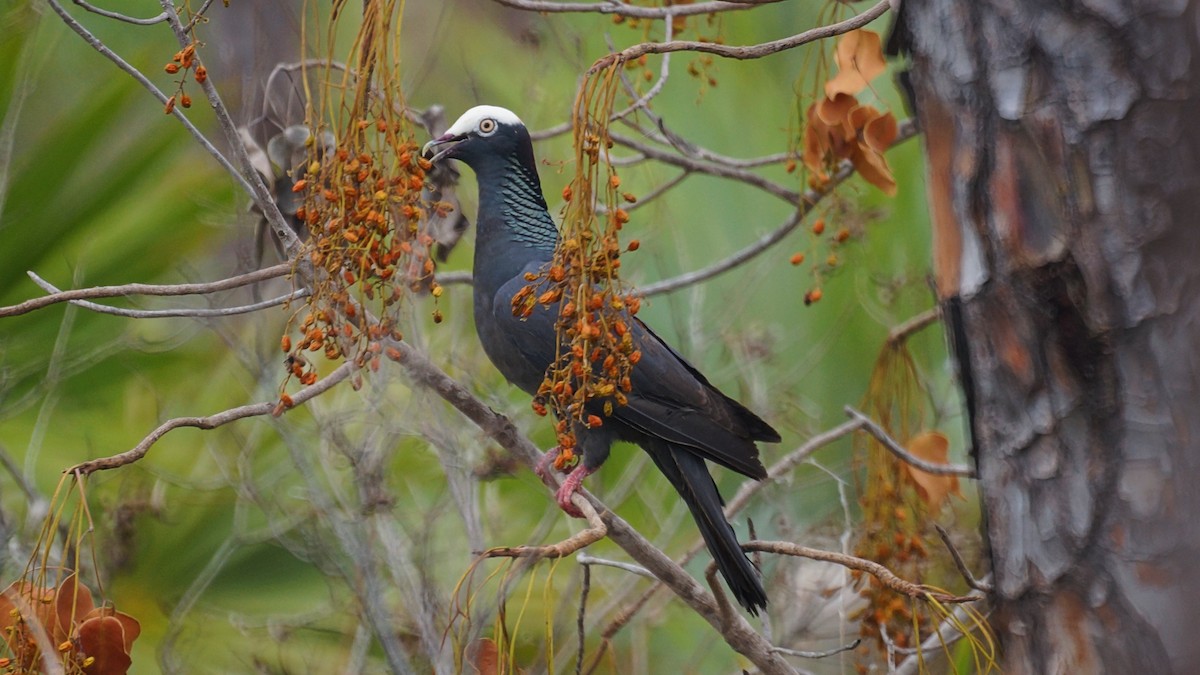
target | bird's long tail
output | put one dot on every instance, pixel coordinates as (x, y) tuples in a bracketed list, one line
[(689, 474)]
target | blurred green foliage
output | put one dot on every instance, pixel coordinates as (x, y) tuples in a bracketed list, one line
[(230, 545)]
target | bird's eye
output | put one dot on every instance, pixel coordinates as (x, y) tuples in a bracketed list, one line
[(487, 126)]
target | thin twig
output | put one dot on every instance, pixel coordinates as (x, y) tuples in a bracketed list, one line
[(788, 462), (665, 156), (960, 563), (704, 273), (143, 289), (896, 449), (883, 574), (197, 16), (585, 559), (586, 537), (808, 202), (658, 191), (449, 278), (31, 492), (641, 102), (905, 330), (747, 52), (194, 312), (109, 14), (820, 655), (211, 422), (585, 587), (633, 11)]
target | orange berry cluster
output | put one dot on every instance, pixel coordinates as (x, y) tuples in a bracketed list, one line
[(185, 61), (591, 374), (363, 206), (841, 236)]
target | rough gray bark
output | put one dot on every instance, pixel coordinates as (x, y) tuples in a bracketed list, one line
[(1063, 140)]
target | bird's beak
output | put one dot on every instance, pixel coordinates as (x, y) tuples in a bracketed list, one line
[(441, 146)]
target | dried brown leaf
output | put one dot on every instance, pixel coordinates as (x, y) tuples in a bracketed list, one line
[(881, 132), (932, 446), (859, 58), (103, 638)]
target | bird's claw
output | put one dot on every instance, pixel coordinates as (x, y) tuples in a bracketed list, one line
[(544, 465), (563, 497), (569, 487)]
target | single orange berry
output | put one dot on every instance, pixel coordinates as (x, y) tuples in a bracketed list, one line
[(614, 181), (594, 421), (170, 106), (842, 235), (812, 296), (634, 244), (201, 74), (819, 226), (797, 258), (286, 344), (171, 68), (185, 101)]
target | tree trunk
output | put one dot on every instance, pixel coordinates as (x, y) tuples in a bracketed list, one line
[(1063, 143)]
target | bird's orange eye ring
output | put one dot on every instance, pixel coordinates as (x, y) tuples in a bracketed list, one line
[(487, 125)]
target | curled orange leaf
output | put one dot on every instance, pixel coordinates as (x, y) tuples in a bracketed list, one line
[(859, 58), (932, 446)]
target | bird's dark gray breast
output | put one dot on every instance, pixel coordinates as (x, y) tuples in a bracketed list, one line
[(521, 349)]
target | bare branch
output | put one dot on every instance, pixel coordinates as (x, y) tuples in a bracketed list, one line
[(659, 191), (809, 201), (238, 281), (788, 462), (193, 312), (586, 560), (711, 168), (905, 330), (108, 14), (960, 563), (449, 278), (704, 273), (898, 450), (636, 11), (211, 422), (746, 52), (586, 537), (820, 655), (883, 574), (198, 16)]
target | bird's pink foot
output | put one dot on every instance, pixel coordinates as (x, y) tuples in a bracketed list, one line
[(545, 465), (570, 486)]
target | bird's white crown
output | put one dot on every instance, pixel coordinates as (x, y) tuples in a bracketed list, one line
[(470, 120)]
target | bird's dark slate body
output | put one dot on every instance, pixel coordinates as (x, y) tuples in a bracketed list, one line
[(673, 412)]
